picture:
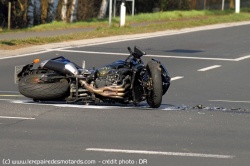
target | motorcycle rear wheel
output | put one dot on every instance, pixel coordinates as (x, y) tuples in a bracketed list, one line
[(30, 87), (154, 98)]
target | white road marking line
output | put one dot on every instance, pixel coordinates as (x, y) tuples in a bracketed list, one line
[(85, 106), (162, 153), (10, 95), (23, 55), (176, 78), (22, 118), (82, 107), (230, 101), (94, 52), (149, 55), (243, 58), (64, 105), (193, 58), (21, 101), (209, 68)]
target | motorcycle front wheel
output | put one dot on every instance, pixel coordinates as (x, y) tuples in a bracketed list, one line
[(154, 97), (31, 87)]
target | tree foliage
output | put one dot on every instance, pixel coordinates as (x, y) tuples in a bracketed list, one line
[(163, 5)]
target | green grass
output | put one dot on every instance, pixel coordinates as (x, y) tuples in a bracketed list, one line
[(145, 17), (151, 22)]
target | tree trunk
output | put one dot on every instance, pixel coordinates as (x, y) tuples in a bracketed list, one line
[(73, 10), (34, 13), (193, 4), (64, 11), (232, 4), (52, 7), (103, 9)]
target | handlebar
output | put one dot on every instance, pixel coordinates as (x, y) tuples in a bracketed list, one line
[(137, 53)]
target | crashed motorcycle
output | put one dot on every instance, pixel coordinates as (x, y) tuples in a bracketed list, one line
[(124, 81)]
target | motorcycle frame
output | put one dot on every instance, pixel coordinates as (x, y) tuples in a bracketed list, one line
[(136, 68)]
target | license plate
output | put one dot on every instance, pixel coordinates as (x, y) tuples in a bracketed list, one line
[(18, 69)]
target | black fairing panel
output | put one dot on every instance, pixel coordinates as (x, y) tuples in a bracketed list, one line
[(118, 64)]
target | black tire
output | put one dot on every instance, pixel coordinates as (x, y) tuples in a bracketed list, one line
[(29, 87), (154, 98)]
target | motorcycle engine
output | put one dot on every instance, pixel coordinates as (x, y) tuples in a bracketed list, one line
[(106, 76)]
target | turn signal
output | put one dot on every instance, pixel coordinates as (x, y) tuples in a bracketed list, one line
[(36, 61)]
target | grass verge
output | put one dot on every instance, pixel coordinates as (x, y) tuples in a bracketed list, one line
[(142, 23)]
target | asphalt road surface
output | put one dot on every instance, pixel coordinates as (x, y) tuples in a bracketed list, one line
[(204, 119)]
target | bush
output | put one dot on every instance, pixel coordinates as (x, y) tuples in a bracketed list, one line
[(143, 6)]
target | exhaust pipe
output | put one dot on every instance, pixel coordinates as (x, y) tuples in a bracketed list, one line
[(112, 91), (107, 91)]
